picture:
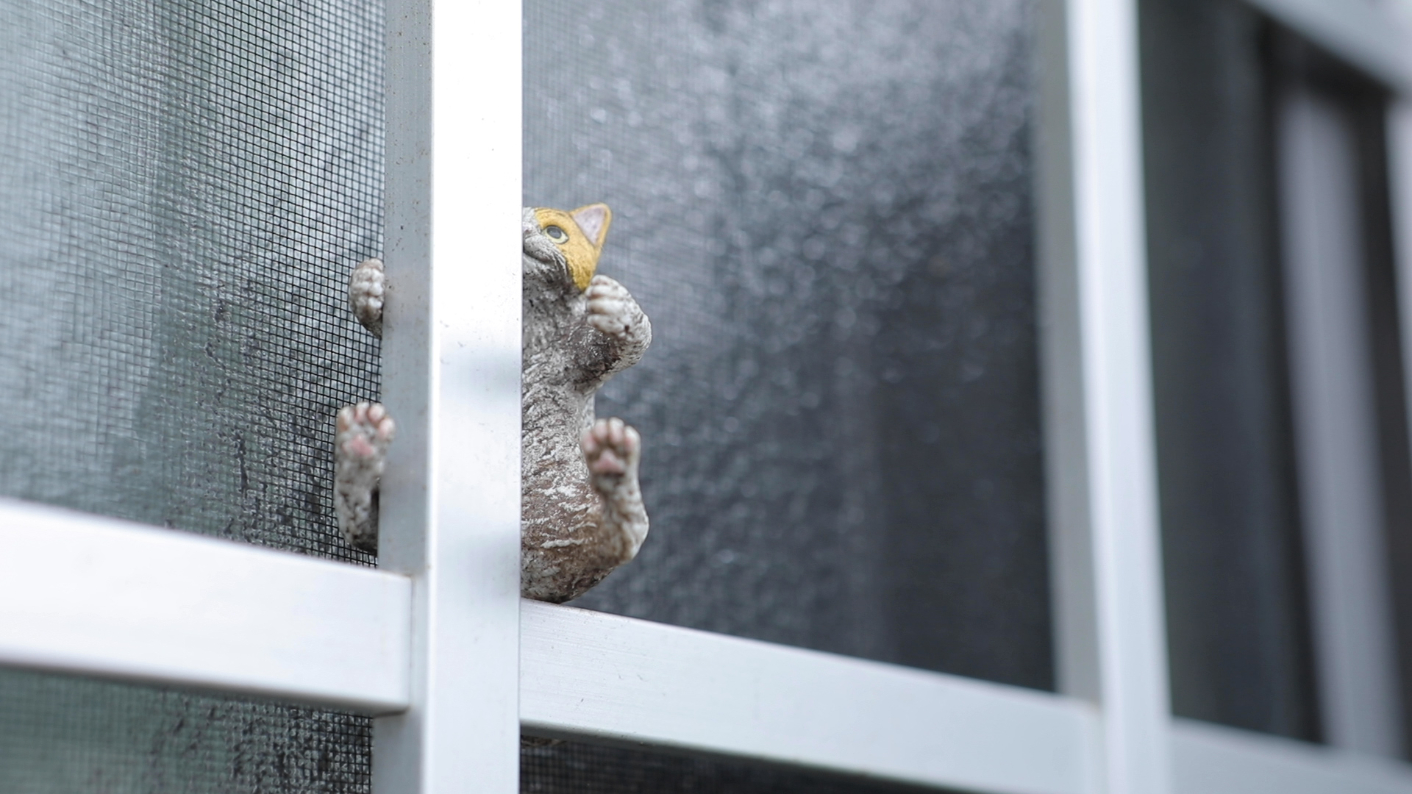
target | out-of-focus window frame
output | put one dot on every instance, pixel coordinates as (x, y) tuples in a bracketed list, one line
[(1374, 38), (441, 649)]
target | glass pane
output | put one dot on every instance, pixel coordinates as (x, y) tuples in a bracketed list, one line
[(183, 190), (826, 210)]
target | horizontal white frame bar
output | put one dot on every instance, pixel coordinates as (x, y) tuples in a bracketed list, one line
[(105, 598), (614, 679), (1368, 35), (1210, 759)]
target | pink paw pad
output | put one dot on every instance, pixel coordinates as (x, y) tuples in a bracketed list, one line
[(610, 447), (364, 430)]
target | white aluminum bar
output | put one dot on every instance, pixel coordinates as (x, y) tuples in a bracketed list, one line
[(1111, 260), (1066, 458), (1368, 35), (1335, 416), (106, 598), (1209, 759), (451, 374), (630, 681)]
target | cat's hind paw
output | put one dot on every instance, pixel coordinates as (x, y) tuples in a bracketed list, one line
[(366, 288), (363, 434), (612, 450)]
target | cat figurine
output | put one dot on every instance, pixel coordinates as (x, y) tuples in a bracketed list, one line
[(581, 506)]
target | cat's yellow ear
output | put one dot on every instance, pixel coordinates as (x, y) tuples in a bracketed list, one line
[(580, 235)]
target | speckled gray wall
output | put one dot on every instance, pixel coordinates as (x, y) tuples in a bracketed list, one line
[(183, 188), (826, 209)]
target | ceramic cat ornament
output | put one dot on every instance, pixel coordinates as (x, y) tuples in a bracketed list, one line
[(581, 507)]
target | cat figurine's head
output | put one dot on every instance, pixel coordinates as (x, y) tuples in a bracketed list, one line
[(562, 248)]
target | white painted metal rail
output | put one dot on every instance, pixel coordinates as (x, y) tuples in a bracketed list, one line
[(1209, 759), (101, 597), (1363, 33), (628, 681), (104, 598)]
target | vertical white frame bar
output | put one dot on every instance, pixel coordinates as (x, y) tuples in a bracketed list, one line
[(1335, 416), (1399, 143), (1128, 628), (451, 366), (1062, 364)]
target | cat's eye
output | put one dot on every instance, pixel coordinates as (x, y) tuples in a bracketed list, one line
[(556, 234)]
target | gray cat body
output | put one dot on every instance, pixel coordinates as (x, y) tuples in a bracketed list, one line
[(581, 511), (581, 505)]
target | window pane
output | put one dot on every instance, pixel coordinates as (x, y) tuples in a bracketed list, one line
[(183, 190), (826, 210)]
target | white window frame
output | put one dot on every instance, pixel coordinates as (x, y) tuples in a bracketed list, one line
[(437, 643)]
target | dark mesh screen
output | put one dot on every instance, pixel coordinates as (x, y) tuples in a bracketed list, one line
[(71, 736), (826, 209), (573, 768), (183, 188)]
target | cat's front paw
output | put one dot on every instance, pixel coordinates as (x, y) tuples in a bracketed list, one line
[(366, 288), (612, 450), (364, 432), (611, 308)]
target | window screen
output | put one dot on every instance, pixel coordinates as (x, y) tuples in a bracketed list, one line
[(61, 735), (826, 210), (576, 768), (183, 189)]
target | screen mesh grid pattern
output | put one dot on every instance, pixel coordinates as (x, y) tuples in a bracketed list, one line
[(183, 191), (74, 736), (578, 768)]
